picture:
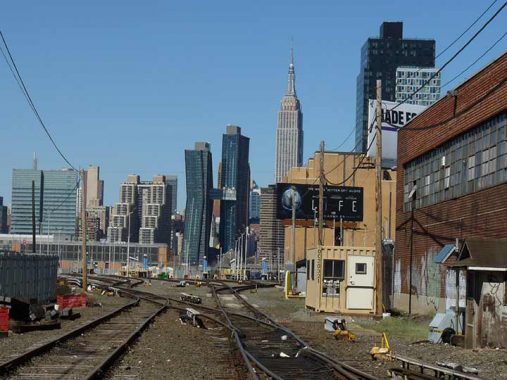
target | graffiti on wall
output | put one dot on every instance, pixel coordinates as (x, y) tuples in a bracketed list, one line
[(450, 289), (397, 277), (426, 280)]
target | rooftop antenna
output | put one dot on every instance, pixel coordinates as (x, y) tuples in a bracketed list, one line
[(34, 161), (292, 51)]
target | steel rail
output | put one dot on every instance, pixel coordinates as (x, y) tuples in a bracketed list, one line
[(100, 370), (342, 368), (437, 371), (24, 357)]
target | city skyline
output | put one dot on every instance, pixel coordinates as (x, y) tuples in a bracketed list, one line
[(326, 78), (289, 131)]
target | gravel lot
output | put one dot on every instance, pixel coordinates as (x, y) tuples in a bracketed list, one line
[(171, 350), (15, 344)]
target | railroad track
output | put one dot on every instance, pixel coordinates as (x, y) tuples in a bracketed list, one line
[(272, 351), (88, 351), (261, 340)]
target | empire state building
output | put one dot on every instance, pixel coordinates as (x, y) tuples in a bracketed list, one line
[(289, 134)]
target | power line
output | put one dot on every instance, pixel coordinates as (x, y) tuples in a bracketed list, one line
[(466, 30), (353, 149), (17, 76), (64, 199), (458, 114), (355, 169), (346, 139), (452, 58), (474, 62)]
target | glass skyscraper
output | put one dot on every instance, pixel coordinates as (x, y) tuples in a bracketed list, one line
[(199, 178), (380, 57), (55, 201), (235, 181)]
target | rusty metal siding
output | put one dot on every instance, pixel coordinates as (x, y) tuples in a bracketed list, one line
[(28, 276)]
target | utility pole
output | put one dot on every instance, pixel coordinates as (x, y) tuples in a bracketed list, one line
[(33, 218), (246, 252), (128, 246), (321, 194), (378, 201), (293, 231), (83, 229)]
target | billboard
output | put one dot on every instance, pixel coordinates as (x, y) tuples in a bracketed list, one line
[(392, 120), (340, 202)]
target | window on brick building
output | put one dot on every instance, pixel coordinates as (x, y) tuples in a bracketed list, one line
[(473, 161)]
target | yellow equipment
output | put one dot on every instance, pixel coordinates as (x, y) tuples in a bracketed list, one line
[(341, 331), (382, 352)]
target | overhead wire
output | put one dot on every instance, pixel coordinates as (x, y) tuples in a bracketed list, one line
[(474, 62), (467, 29), (452, 58), (19, 79)]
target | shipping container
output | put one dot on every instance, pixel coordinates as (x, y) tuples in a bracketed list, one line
[(28, 276)]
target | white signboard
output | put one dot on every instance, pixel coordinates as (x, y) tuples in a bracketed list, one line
[(391, 122)]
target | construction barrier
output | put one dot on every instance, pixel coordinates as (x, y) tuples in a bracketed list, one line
[(70, 301), (4, 319)]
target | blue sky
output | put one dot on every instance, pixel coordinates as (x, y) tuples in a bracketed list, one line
[(128, 85)]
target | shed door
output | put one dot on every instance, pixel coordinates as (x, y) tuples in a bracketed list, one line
[(360, 275)]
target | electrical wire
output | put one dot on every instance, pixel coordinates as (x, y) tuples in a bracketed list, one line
[(355, 169), (344, 141), (64, 199), (452, 58), (19, 79), (353, 149), (474, 62), (466, 30), (461, 112)]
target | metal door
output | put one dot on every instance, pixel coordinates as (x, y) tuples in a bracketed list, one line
[(360, 276)]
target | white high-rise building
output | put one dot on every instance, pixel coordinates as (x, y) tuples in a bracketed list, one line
[(409, 79), (289, 134)]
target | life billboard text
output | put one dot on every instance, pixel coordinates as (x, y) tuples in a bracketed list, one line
[(340, 202)]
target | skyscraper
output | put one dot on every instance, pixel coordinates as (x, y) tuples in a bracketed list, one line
[(380, 57), (255, 203), (199, 178), (172, 180), (94, 187), (235, 181), (4, 228), (124, 220), (154, 209), (55, 201), (289, 133), (145, 208), (409, 79), (271, 236)]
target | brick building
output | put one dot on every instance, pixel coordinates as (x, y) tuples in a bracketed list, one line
[(452, 184)]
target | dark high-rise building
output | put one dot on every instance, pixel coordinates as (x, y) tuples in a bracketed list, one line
[(173, 183), (3, 217), (199, 176), (235, 182), (271, 236), (380, 57), (255, 203)]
